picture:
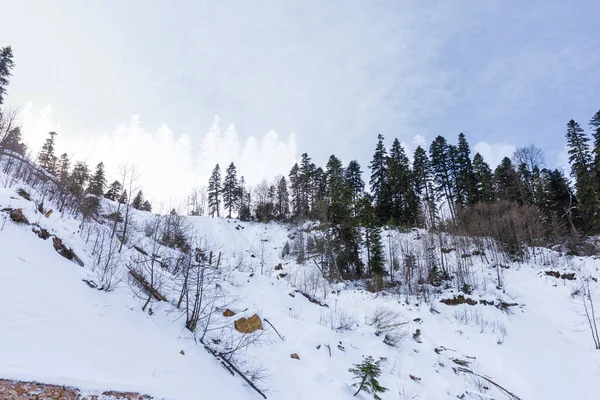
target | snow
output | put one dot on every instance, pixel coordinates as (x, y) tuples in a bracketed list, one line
[(55, 329)]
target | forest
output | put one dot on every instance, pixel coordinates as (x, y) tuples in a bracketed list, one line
[(520, 202)]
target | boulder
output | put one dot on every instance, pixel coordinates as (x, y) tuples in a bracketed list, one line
[(18, 217), (228, 313), (248, 325)]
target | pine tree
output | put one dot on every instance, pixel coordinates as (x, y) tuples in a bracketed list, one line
[(138, 200), (230, 190), (114, 190), (507, 182), (484, 190), (465, 177), (306, 177), (403, 210), (296, 189), (79, 178), (560, 203), (214, 191), (6, 65), (441, 167), (421, 179), (355, 182), (98, 181), (146, 206), (13, 141), (367, 373), (282, 198), (336, 193), (46, 158), (63, 169), (595, 126), (379, 180), (244, 203), (580, 159)]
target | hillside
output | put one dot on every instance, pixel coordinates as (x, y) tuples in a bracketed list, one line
[(526, 339)]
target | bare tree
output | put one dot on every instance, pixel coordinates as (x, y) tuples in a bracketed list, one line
[(150, 265), (129, 178), (588, 299), (530, 155)]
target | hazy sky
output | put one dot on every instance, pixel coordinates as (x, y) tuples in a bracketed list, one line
[(143, 80)]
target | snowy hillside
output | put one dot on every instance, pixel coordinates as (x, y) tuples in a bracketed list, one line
[(526, 340)]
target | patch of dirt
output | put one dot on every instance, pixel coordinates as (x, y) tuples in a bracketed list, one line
[(17, 390)]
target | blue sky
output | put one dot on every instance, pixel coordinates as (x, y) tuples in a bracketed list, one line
[(333, 72)]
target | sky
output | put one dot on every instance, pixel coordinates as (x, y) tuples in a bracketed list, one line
[(176, 87)]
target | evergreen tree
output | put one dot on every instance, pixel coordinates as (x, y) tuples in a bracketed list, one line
[(98, 181), (580, 159), (595, 126), (336, 193), (465, 178), (230, 190), (379, 180), (507, 182), (355, 183), (114, 190), (214, 191), (244, 203), (46, 158), (296, 189), (146, 206), (13, 141), (484, 189), (366, 373), (441, 167), (403, 202), (79, 178), (560, 203), (421, 178), (282, 198), (138, 200), (63, 169), (6, 65), (306, 175)]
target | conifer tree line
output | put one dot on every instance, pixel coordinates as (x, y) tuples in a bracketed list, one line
[(443, 188)]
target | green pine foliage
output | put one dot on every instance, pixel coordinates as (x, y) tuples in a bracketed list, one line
[(215, 191), (230, 190), (366, 374), (46, 158), (98, 181), (6, 65)]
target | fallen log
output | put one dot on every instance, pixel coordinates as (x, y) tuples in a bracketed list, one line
[(142, 281), (229, 366)]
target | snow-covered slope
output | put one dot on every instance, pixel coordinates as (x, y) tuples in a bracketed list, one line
[(56, 329)]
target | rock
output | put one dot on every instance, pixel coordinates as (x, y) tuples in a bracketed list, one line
[(24, 194), (460, 299), (228, 313), (62, 249), (248, 325), (18, 217), (295, 356)]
